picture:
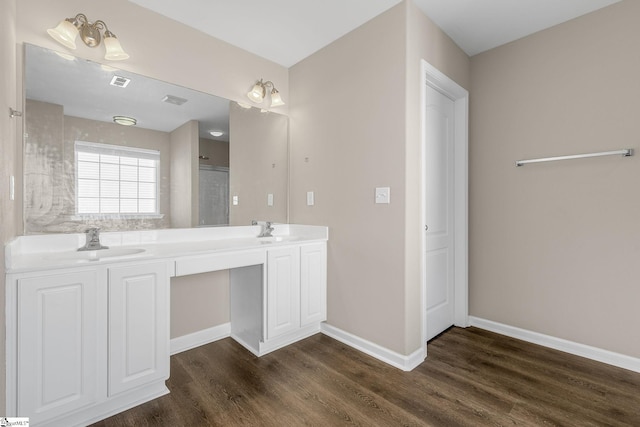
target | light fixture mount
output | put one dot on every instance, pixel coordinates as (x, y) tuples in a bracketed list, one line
[(259, 91), (91, 34)]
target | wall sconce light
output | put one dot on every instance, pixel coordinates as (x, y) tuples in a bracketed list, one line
[(259, 91), (90, 33)]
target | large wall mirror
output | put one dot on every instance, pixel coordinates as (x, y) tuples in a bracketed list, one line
[(190, 159)]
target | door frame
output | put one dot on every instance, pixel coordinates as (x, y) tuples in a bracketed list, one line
[(434, 78)]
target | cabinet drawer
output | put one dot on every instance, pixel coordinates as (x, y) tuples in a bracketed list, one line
[(207, 263)]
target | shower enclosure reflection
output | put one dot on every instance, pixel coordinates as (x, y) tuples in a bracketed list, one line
[(214, 196)]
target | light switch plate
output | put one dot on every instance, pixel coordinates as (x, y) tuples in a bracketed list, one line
[(235, 200), (383, 195), (310, 198)]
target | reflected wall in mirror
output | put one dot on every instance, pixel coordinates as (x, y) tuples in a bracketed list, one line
[(257, 139), (111, 181)]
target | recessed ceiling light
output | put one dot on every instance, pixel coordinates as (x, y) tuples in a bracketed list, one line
[(216, 133), (124, 120)]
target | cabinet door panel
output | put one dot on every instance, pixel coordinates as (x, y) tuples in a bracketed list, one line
[(138, 326), (313, 283), (60, 325), (283, 291)]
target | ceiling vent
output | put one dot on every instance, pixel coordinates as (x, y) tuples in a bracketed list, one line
[(119, 81), (175, 100)]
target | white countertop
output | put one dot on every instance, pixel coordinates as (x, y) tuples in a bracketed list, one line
[(52, 251)]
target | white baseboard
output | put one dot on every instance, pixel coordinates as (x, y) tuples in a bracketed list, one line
[(593, 353), (205, 336), (406, 363)]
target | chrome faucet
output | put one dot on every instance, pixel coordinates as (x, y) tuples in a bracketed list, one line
[(93, 240), (266, 228)]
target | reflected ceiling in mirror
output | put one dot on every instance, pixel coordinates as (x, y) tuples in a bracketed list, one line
[(99, 92)]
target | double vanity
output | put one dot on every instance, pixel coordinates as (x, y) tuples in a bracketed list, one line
[(88, 331)]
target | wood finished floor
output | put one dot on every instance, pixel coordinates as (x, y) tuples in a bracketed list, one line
[(471, 378)]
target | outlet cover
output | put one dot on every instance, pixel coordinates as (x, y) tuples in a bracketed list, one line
[(383, 195)]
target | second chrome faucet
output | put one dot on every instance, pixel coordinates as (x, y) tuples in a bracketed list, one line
[(266, 228)]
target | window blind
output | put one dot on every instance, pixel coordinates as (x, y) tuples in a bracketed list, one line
[(112, 179)]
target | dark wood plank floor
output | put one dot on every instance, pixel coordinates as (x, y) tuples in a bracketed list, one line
[(471, 378)]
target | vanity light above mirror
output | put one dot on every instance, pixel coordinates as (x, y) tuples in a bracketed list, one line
[(90, 33), (259, 91)]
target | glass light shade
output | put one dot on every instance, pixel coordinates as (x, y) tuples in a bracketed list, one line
[(257, 93), (276, 99), (65, 34), (114, 50)]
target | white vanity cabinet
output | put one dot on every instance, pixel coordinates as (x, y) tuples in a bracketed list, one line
[(91, 341), (61, 321), (296, 300), (283, 291), (313, 283), (281, 302), (138, 325), (88, 332)]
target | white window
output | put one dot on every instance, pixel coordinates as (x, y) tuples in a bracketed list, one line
[(116, 180)]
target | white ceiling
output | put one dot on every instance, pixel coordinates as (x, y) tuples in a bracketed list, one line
[(287, 31), (479, 25)]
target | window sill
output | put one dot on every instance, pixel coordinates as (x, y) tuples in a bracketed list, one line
[(112, 217)]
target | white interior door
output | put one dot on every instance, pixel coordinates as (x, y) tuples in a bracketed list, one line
[(439, 211)]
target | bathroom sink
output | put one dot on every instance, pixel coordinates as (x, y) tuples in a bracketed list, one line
[(96, 255)]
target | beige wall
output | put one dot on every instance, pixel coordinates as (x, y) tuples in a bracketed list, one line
[(344, 143), (259, 157), (355, 126), (554, 247), (198, 302), (184, 176), (8, 159)]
